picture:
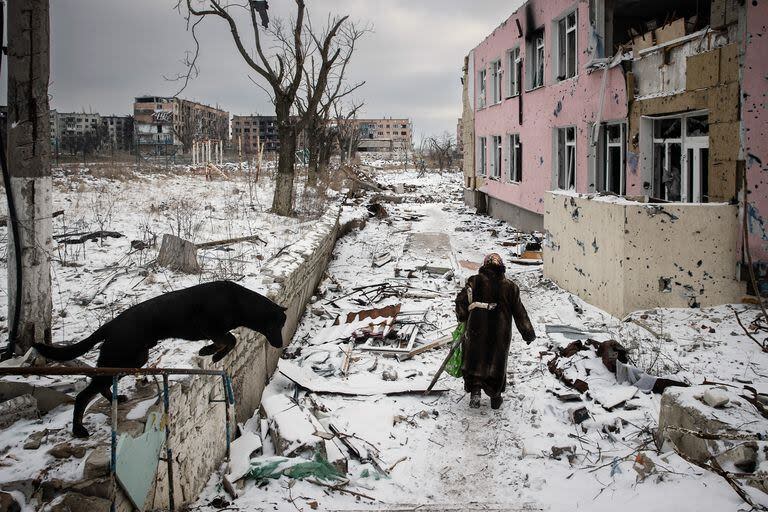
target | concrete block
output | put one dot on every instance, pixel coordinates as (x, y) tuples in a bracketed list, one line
[(22, 407), (702, 70), (716, 398), (729, 64), (75, 502)]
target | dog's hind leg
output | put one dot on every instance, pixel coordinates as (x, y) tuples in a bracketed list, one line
[(227, 342), (96, 386)]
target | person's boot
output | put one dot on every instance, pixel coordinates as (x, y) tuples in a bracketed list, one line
[(496, 402), (474, 400)]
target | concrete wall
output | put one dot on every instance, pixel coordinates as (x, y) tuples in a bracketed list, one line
[(622, 256), (571, 102), (754, 115), (516, 216), (198, 424)]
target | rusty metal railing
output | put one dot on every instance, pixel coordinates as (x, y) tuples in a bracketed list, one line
[(116, 373)]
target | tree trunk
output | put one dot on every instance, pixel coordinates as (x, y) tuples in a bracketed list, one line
[(29, 153), (282, 203), (313, 166)]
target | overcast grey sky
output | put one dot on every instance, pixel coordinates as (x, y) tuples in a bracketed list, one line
[(105, 52)]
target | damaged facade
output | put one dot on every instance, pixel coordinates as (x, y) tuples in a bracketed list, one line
[(661, 103)]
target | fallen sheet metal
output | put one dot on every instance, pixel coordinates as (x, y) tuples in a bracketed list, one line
[(137, 460), (355, 385)]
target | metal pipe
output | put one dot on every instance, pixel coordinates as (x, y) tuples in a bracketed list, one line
[(89, 372), (168, 451), (226, 416), (113, 455)]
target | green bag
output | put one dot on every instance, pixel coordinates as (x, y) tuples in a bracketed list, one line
[(453, 368)]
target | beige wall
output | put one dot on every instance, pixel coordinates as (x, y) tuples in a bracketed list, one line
[(615, 253)]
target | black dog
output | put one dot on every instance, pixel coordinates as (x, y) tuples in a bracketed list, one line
[(206, 311)]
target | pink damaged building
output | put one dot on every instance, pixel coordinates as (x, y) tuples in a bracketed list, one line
[(626, 131)]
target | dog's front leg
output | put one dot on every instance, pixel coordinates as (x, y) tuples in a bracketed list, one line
[(227, 342)]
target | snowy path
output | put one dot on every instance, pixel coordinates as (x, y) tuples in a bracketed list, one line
[(449, 457)]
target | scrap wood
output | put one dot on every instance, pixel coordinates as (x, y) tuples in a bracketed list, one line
[(440, 342), (230, 241), (96, 235), (338, 487), (763, 346), (578, 384), (357, 450)]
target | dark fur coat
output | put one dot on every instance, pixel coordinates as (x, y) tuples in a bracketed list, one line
[(489, 333)]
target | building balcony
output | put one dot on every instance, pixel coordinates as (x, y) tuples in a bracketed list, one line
[(622, 255)]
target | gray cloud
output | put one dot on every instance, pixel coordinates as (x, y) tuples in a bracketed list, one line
[(105, 52)]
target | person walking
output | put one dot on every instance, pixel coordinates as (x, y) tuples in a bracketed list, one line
[(488, 304)]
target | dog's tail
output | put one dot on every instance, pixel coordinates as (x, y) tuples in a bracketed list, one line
[(69, 352)]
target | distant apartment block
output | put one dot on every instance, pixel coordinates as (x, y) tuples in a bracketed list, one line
[(164, 124), (385, 135), (247, 131), (79, 131)]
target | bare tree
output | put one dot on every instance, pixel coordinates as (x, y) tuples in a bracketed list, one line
[(292, 43), (319, 134), (441, 150), (347, 130)]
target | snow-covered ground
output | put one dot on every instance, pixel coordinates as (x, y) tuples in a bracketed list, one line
[(435, 452), (432, 452)]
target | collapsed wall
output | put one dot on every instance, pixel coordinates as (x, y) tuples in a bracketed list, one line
[(198, 431)]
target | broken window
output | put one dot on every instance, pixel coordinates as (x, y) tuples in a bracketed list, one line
[(497, 156), (566, 47), (496, 77), (483, 156), (515, 70), (566, 158), (681, 157), (612, 158), (481, 89), (649, 23), (536, 59), (515, 169)]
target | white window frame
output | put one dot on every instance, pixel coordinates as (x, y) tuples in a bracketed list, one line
[(514, 66), (537, 60), (692, 174), (496, 81), (567, 65), (497, 156), (482, 156), (565, 160), (605, 180), (482, 89), (515, 159)]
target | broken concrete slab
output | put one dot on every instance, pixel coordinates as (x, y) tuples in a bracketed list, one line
[(75, 502), (22, 407), (427, 251), (355, 385), (67, 451), (47, 399), (716, 398), (294, 429)]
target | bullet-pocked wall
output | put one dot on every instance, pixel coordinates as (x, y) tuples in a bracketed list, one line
[(623, 256), (754, 115), (539, 107)]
